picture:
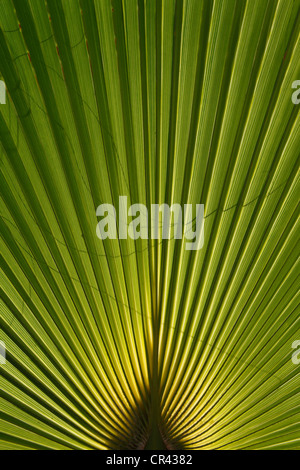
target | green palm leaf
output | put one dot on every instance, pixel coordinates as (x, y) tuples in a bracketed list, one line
[(121, 343)]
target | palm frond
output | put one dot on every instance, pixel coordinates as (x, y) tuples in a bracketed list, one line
[(121, 343)]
